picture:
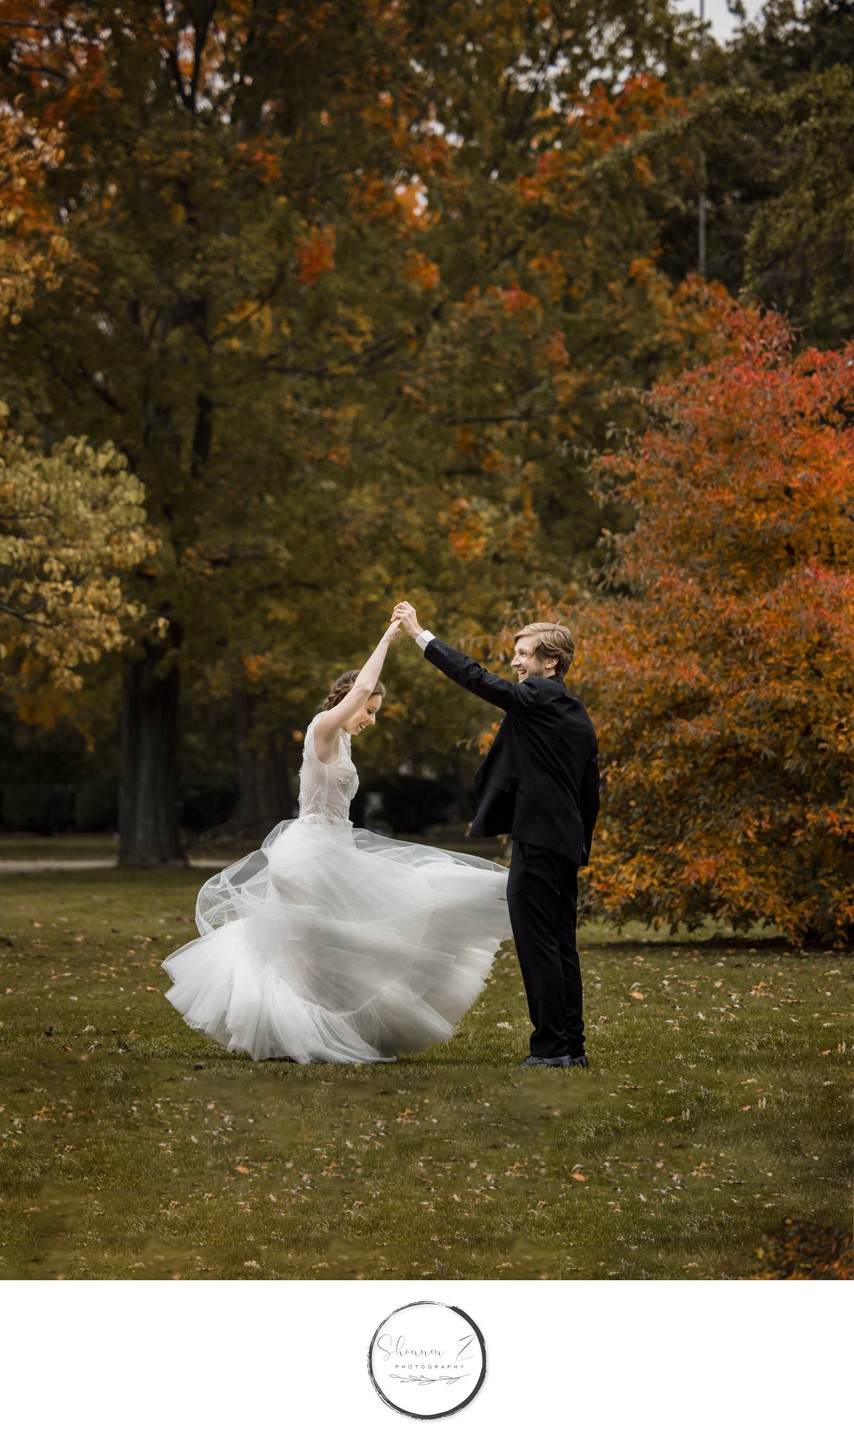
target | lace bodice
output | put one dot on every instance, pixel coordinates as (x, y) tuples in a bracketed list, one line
[(327, 789)]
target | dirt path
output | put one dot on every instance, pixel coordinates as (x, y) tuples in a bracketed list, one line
[(70, 865)]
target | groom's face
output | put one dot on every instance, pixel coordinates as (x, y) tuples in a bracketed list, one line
[(526, 665)]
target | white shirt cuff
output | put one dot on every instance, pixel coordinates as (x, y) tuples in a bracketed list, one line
[(423, 639)]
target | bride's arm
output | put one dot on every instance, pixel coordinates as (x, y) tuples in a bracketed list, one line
[(328, 725)]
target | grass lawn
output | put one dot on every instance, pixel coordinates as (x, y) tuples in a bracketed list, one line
[(715, 1109), (33, 847)]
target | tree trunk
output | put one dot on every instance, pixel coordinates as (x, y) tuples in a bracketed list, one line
[(148, 792), (264, 790)]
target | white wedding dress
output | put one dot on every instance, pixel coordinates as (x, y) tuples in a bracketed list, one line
[(333, 944)]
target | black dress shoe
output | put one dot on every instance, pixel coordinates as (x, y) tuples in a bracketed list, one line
[(532, 1061)]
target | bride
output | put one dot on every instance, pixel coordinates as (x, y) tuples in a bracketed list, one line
[(330, 943)]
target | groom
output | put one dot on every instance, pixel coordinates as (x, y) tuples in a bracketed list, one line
[(539, 783)]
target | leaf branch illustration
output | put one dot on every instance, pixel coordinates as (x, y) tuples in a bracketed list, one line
[(424, 1381)]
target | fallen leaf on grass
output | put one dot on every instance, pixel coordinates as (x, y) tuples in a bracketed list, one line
[(633, 994), (239, 1168), (804, 1250), (578, 1177)]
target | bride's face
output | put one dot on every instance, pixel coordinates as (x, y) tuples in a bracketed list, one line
[(366, 717)]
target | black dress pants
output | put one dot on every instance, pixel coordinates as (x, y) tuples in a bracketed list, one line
[(542, 895)]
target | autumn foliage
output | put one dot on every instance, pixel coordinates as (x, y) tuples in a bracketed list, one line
[(722, 653), (33, 248), (803, 1251), (357, 291), (71, 524), (70, 517)]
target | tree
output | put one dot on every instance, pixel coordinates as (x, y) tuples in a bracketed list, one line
[(33, 248), (799, 253), (722, 652), (767, 135), (349, 297), (71, 522)]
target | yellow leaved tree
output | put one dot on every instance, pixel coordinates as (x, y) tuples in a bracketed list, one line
[(71, 520), (71, 523)]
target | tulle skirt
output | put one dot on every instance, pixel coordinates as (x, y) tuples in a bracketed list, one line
[(333, 944)]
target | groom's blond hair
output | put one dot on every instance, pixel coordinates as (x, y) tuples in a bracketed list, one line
[(554, 641)]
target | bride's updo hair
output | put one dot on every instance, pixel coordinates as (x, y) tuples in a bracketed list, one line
[(342, 687)]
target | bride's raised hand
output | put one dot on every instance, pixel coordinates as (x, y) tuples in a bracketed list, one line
[(405, 615), (392, 631)]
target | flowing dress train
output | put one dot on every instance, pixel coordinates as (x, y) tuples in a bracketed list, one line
[(334, 944)]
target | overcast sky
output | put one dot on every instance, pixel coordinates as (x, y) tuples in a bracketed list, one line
[(717, 15)]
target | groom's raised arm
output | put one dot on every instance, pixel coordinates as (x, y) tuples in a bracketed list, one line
[(470, 675), (465, 671)]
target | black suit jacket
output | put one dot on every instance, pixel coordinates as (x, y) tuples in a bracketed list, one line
[(540, 780)]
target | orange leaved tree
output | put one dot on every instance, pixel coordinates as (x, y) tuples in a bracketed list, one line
[(722, 653)]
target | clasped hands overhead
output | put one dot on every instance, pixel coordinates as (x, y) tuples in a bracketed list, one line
[(404, 617)]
